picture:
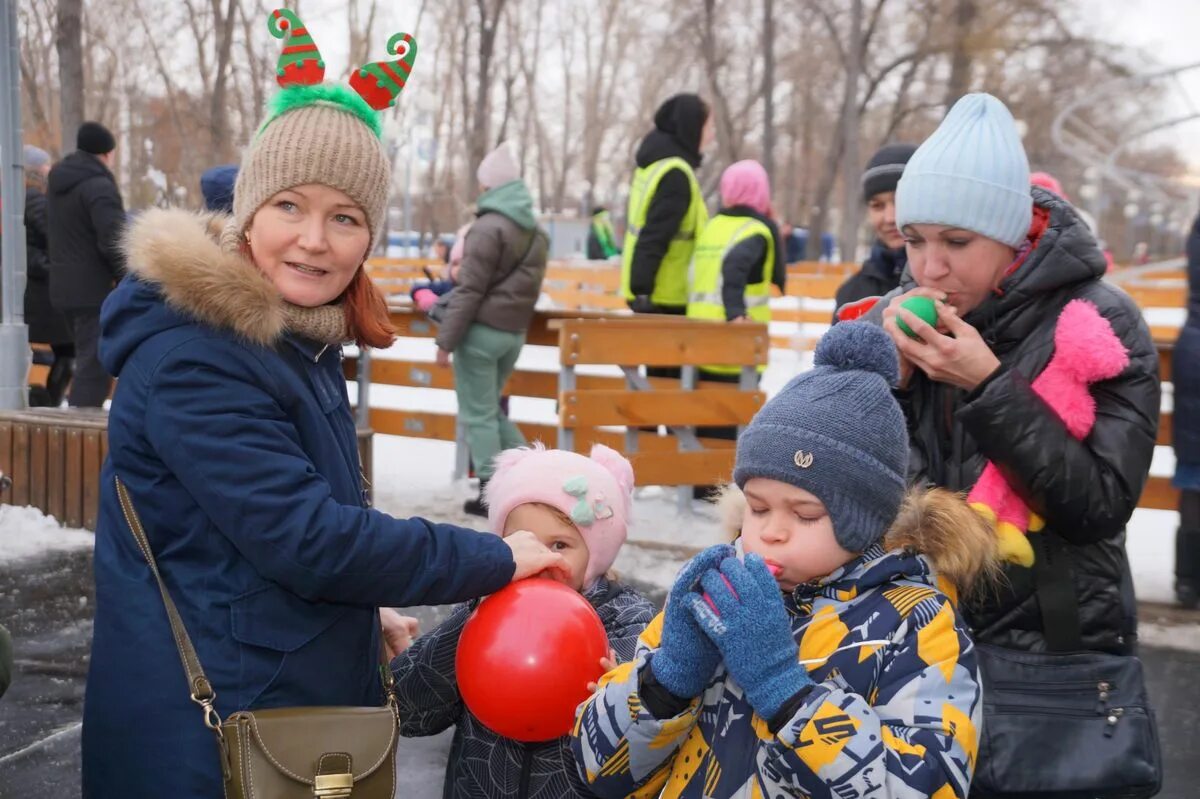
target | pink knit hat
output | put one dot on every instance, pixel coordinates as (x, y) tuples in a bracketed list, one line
[(498, 167), (746, 183), (595, 492)]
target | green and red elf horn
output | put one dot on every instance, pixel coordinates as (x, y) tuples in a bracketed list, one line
[(380, 82), (300, 63)]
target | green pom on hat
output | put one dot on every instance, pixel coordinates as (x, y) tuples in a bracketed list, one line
[(348, 100)]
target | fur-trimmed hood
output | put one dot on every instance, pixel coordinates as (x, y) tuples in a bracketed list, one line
[(180, 253), (935, 523)]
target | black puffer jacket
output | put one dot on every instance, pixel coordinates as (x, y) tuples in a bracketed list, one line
[(1085, 490), (85, 221)]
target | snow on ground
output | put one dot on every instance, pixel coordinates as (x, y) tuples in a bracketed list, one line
[(25, 532)]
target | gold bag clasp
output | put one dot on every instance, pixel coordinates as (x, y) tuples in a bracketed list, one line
[(333, 786)]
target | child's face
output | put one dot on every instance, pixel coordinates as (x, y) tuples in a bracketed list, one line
[(790, 528), (556, 534)]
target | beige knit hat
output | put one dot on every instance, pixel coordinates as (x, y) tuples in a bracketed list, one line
[(324, 134)]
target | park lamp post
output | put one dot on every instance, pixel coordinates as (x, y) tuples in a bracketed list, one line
[(15, 356)]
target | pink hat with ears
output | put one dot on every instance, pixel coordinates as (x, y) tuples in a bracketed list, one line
[(595, 492), (746, 183)]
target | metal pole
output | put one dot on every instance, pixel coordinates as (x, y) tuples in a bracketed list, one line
[(15, 356)]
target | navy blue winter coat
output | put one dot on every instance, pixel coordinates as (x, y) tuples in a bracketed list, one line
[(234, 436), (1185, 371)]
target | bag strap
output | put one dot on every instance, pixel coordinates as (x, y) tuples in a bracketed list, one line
[(1055, 581), (201, 689), (512, 270)]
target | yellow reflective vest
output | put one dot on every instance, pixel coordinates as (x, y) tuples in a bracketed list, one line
[(706, 278), (670, 284)]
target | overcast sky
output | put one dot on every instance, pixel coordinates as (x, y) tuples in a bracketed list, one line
[(1168, 31)]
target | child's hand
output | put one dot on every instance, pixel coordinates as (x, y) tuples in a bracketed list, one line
[(398, 631), (686, 659), (533, 557), (752, 630), (607, 663)]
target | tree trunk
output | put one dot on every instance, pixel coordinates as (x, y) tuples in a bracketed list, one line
[(768, 87), (714, 67), (820, 208), (220, 147), (961, 59), (69, 44), (480, 124), (849, 135)]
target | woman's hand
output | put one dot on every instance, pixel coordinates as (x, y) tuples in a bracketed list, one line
[(398, 631), (961, 358), (898, 335), (533, 557), (443, 357)]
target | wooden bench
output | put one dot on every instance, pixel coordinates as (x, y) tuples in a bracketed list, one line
[(678, 343), (54, 455)]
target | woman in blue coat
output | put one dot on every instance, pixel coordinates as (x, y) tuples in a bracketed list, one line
[(232, 430)]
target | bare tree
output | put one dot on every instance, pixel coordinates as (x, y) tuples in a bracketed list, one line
[(220, 148), (489, 12), (849, 131), (69, 44), (768, 86), (961, 57)]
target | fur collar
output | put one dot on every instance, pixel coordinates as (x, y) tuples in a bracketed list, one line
[(179, 252)]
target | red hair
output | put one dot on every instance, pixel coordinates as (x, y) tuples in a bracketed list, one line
[(367, 316)]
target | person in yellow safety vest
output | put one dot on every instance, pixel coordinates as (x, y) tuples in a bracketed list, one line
[(602, 239), (737, 258), (666, 209)]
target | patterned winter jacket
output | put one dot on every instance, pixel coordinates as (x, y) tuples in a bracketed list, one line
[(894, 712), (482, 764)]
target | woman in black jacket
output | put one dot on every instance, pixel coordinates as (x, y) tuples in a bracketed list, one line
[(1001, 265)]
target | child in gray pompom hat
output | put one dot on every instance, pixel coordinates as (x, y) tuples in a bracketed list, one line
[(822, 654)]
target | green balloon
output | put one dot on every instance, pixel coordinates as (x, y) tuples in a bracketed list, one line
[(921, 307)]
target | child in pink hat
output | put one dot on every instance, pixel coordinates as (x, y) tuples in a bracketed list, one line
[(578, 505)]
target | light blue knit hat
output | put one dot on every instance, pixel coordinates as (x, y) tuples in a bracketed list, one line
[(972, 173), (837, 432)]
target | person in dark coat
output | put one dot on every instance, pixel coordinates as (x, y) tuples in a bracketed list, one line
[(1185, 375), (216, 184), (1002, 260), (666, 208), (85, 219), (232, 430), (46, 325), (880, 273)]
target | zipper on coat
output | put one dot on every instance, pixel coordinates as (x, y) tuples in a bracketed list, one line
[(526, 771)]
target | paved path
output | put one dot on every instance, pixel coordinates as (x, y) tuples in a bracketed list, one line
[(47, 604)]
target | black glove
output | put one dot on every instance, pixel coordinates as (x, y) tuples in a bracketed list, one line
[(642, 304)]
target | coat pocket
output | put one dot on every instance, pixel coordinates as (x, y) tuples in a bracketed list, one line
[(270, 624)]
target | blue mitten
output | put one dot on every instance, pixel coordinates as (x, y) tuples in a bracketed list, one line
[(753, 633), (686, 658)]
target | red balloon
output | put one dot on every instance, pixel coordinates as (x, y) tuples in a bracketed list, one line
[(525, 658)]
